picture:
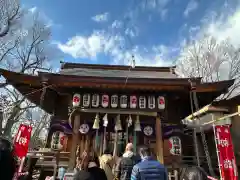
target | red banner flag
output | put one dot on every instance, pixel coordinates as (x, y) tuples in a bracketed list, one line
[(227, 162), (21, 140)]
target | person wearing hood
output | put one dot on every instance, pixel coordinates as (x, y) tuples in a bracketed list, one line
[(125, 165), (106, 163)]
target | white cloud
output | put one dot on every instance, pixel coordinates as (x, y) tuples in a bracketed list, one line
[(101, 17), (33, 9), (90, 46), (160, 6), (117, 24), (115, 48), (222, 24), (192, 5)]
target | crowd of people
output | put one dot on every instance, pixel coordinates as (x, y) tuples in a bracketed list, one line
[(130, 166)]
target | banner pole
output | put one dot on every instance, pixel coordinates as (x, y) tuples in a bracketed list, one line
[(21, 165), (216, 139)]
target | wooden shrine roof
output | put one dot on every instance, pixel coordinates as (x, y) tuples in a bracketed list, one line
[(116, 71), (58, 82)]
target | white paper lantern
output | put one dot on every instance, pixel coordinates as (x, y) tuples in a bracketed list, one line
[(114, 101), (151, 102), (57, 140), (86, 100), (76, 100), (123, 101), (133, 102), (142, 102), (84, 128), (175, 145), (105, 100), (161, 102), (95, 100)]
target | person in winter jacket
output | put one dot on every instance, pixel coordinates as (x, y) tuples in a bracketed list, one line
[(8, 163), (193, 173), (148, 168), (106, 163), (125, 165)]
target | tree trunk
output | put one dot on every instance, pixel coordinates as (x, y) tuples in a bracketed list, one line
[(10, 122)]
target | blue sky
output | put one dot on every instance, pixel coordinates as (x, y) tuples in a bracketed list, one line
[(154, 31)]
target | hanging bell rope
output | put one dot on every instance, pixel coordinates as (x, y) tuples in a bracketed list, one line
[(137, 125), (118, 125), (137, 128), (128, 124), (105, 123), (96, 126)]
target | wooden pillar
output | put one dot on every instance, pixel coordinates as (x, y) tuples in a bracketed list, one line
[(75, 138), (159, 141)]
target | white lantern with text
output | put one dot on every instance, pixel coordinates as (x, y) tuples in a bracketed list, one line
[(175, 145), (105, 100), (76, 100), (133, 102), (142, 102), (123, 101), (114, 101), (151, 102), (95, 100), (161, 102), (57, 142), (86, 100)]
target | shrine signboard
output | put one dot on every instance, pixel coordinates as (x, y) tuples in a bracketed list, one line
[(227, 162)]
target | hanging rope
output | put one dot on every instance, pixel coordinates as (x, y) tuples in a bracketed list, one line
[(42, 97), (26, 95), (194, 100)]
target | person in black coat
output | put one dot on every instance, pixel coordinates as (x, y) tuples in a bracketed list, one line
[(90, 170), (8, 163), (126, 163)]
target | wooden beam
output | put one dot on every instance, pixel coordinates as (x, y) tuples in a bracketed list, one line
[(75, 138), (118, 111)]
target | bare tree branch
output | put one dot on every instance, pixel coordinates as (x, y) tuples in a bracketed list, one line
[(212, 60), (28, 55), (9, 12)]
